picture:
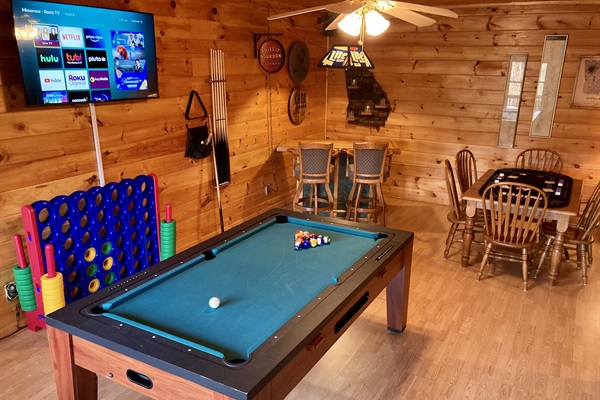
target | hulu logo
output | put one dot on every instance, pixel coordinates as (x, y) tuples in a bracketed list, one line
[(48, 59)]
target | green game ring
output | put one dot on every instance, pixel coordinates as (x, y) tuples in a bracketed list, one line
[(106, 248), (92, 270), (109, 279)]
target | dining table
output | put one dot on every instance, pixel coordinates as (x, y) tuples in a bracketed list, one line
[(340, 147), (561, 215)]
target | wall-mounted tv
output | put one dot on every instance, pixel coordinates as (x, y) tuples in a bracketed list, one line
[(76, 54)]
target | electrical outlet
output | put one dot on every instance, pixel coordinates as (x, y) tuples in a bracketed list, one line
[(267, 190), (10, 291)]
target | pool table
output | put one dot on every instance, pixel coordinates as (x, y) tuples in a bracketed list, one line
[(281, 310)]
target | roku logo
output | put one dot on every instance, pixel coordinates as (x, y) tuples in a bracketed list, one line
[(74, 58), (48, 59), (75, 78)]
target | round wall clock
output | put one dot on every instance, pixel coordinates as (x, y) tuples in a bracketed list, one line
[(297, 105), (298, 61), (271, 55)]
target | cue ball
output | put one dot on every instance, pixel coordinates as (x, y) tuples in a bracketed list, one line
[(214, 302)]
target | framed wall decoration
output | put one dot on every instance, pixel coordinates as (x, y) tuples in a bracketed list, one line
[(513, 91), (297, 105), (586, 93), (271, 55), (546, 94)]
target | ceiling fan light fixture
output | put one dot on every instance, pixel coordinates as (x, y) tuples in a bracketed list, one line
[(351, 24), (375, 23)]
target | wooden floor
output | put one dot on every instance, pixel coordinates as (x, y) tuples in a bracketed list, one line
[(464, 340)]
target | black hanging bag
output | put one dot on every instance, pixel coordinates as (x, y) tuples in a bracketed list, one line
[(198, 138)]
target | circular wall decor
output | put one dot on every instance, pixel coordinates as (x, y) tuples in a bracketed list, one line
[(298, 61), (297, 105), (271, 55)]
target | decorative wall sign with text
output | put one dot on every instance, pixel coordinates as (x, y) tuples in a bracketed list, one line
[(297, 105), (271, 55), (298, 61)]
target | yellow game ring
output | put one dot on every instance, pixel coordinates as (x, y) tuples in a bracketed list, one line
[(94, 285), (108, 263), (90, 254)]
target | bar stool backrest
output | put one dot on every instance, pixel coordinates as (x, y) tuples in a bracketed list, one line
[(369, 162), (315, 159)]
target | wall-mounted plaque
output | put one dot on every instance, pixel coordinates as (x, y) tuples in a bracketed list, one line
[(271, 55), (298, 61), (297, 105)]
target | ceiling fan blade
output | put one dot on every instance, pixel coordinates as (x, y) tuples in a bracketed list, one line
[(343, 7), (409, 16), (420, 8), (333, 24)]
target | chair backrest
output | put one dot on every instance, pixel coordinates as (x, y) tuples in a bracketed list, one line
[(591, 214), (515, 213), (369, 162), (540, 160), (315, 158), (466, 169), (452, 193)]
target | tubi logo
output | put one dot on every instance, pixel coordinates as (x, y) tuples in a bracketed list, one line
[(73, 58), (48, 58)]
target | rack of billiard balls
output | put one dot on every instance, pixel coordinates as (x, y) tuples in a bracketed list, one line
[(306, 240)]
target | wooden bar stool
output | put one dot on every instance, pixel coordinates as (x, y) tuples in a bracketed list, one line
[(367, 175), (315, 170)]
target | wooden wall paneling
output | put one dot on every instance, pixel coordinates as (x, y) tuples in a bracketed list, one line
[(446, 83)]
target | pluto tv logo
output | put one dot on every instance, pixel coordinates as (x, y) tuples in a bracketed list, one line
[(96, 59), (49, 58), (73, 58)]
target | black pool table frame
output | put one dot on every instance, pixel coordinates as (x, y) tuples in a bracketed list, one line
[(84, 348)]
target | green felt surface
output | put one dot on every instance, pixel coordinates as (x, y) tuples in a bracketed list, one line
[(261, 280)]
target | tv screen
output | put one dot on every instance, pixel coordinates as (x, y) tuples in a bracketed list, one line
[(76, 54)]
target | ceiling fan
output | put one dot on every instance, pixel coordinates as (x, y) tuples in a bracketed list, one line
[(363, 9)]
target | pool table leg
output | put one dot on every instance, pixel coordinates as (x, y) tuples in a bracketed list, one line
[(72, 381), (397, 292)]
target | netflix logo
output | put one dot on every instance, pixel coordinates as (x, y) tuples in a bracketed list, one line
[(71, 37)]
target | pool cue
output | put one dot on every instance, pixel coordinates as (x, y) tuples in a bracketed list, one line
[(214, 157)]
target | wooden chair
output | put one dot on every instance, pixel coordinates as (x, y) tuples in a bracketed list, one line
[(315, 169), (578, 237), (515, 212), (367, 174), (466, 169), (540, 160), (456, 214)]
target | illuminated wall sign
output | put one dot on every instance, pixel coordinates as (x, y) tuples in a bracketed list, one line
[(344, 56)]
